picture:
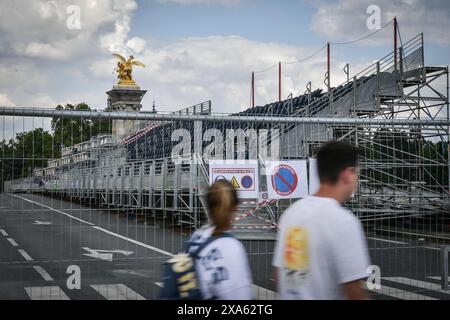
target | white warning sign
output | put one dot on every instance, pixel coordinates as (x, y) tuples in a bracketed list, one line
[(243, 175), (287, 179)]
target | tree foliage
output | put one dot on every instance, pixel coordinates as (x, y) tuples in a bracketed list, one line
[(68, 131), (32, 149)]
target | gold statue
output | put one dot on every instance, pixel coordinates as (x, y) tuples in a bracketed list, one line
[(125, 68)]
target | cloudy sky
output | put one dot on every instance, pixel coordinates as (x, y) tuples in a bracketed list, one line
[(197, 50)]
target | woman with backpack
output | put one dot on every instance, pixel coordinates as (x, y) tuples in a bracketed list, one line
[(221, 263)]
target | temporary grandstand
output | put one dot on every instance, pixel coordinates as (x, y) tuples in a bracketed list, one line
[(390, 110)]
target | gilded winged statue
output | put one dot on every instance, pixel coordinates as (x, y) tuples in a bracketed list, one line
[(125, 68)]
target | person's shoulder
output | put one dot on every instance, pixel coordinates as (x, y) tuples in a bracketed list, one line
[(305, 206), (294, 208), (203, 229), (201, 234), (232, 243), (346, 219), (349, 215)]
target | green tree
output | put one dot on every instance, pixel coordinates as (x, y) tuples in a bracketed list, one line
[(29, 150), (68, 131), (6, 163)]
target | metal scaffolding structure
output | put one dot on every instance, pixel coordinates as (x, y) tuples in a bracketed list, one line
[(396, 111), (392, 111)]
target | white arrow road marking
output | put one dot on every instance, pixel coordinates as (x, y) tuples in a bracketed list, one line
[(50, 208), (42, 223), (3, 232), (104, 254), (98, 255), (144, 245), (125, 253)]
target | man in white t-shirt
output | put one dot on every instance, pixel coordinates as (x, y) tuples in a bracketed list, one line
[(321, 251)]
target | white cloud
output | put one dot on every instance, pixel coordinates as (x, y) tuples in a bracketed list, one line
[(116, 41), (343, 20), (136, 44), (39, 29), (44, 63), (5, 101), (192, 70)]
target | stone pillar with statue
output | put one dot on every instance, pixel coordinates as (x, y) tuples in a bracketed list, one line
[(126, 96)]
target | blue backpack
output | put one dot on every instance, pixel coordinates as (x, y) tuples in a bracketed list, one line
[(180, 279)]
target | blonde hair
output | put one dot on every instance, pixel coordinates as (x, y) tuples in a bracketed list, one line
[(222, 200)]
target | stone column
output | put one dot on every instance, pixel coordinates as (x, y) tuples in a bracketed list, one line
[(125, 99)]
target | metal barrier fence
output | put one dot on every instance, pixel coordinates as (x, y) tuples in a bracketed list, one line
[(76, 196)]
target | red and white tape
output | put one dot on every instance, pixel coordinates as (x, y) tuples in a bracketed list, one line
[(260, 205)]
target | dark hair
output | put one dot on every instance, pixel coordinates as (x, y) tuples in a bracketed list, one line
[(333, 157), (222, 199)]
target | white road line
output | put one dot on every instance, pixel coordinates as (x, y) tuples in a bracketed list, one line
[(117, 292), (419, 234), (386, 240), (432, 248), (111, 233), (46, 293), (59, 211), (134, 241), (130, 272), (260, 293), (264, 294), (25, 255), (401, 294), (103, 230), (43, 273), (418, 283), (11, 240), (439, 278), (3, 232)]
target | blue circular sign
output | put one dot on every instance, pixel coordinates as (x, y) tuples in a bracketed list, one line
[(284, 180), (246, 182)]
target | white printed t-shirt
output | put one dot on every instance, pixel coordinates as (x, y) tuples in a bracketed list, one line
[(320, 246), (222, 267)]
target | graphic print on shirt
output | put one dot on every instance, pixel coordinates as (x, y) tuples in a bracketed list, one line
[(212, 263), (296, 256)]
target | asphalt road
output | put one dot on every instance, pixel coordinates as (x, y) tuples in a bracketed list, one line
[(42, 239)]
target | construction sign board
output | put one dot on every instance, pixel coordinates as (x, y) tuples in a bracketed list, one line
[(287, 179), (243, 175)]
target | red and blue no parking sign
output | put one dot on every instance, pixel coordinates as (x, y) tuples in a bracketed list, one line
[(287, 179), (246, 182), (284, 180)]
